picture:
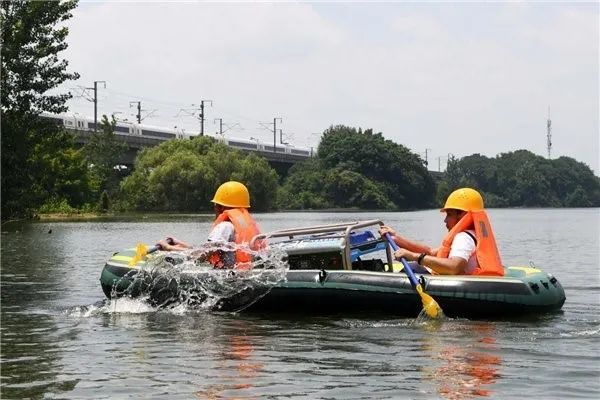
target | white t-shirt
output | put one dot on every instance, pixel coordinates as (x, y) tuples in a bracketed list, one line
[(463, 246), (223, 232)]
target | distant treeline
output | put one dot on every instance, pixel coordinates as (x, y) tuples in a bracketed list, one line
[(523, 179), (352, 169), (362, 169)]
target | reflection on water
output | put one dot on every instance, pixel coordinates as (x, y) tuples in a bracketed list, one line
[(467, 368), (237, 364)]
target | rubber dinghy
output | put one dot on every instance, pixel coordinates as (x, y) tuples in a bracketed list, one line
[(328, 272)]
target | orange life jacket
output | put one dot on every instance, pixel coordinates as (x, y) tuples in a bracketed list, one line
[(486, 251), (245, 229)]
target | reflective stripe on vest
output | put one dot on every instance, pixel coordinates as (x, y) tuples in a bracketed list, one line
[(486, 250)]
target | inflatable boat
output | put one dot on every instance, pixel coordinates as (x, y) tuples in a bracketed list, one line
[(338, 268)]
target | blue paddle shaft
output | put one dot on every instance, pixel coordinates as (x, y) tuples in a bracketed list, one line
[(153, 249), (409, 272), (157, 247)]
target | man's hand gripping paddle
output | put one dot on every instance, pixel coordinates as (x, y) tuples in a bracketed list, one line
[(431, 307), (141, 251)]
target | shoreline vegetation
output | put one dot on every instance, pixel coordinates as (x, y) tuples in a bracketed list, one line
[(87, 216)]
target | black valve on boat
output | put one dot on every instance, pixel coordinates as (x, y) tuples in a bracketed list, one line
[(322, 275)]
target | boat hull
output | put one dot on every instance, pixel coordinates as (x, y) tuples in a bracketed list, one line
[(522, 291), (381, 292)]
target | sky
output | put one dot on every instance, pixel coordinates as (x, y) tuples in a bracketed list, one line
[(445, 78)]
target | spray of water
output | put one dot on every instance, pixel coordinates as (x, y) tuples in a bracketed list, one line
[(185, 281)]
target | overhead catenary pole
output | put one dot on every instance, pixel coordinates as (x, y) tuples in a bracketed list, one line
[(201, 116), (275, 133), (426, 161), (139, 110), (95, 89), (223, 127)]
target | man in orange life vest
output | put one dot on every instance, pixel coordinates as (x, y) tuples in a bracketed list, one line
[(469, 248), (233, 224)]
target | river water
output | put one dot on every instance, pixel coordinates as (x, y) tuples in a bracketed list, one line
[(59, 341)]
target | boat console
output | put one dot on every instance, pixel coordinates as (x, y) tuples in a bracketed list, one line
[(334, 247)]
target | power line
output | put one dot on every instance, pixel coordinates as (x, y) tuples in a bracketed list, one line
[(227, 127), (177, 107)]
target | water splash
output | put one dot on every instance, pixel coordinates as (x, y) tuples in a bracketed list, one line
[(184, 280), (423, 317)]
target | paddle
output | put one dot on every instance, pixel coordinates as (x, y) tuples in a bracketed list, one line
[(141, 250), (431, 307)]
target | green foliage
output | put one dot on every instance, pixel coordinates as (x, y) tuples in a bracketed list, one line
[(260, 179), (359, 169), (58, 170), (31, 42), (302, 189), (57, 206), (30, 65), (523, 179), (182, 175), (103, 151), (351, 189), (408, 184)]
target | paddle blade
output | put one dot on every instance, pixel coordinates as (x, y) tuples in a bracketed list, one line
[(140, 251), (431, 307)]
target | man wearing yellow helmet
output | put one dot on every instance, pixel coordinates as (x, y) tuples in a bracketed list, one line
[(233, 224), (469, 247)]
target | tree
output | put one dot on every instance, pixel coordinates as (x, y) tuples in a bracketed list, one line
[(182, 175), (31, 41), (407, 183), (523, 179), (103, 152), (351, 189), (58, 171), (303, 187)]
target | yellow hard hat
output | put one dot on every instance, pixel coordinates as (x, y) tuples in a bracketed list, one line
[(232, 194), (465, 199)]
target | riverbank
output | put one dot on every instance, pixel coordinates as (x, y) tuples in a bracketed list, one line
[(85, 216)]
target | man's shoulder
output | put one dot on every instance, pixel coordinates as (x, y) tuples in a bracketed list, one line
[(221, 232), (224, 223), (467, 236)]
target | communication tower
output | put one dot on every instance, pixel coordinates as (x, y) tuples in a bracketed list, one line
[(549, 133)]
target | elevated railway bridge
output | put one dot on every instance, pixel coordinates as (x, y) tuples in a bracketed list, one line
[(137, 136)]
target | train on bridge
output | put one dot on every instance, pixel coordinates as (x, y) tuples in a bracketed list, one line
[(122, 128)]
